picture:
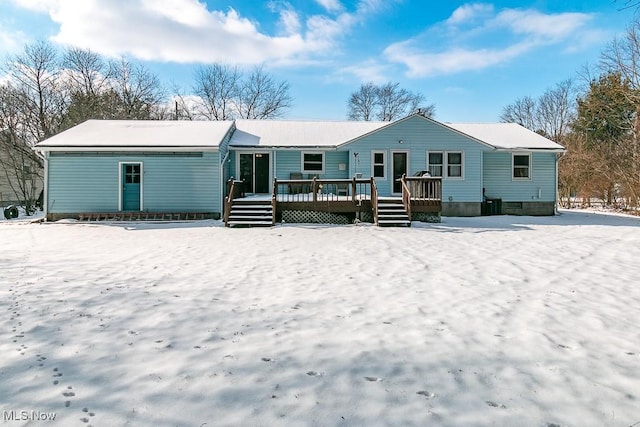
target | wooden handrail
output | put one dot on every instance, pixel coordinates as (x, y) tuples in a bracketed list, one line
[(374, 200), (228, 201), (406, 195)]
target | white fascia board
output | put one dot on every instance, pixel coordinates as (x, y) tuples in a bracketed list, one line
[(256, 148), (150, 149), (530, 150)]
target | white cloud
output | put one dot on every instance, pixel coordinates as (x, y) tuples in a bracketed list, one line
[(453, 60), (475, 37), (331, 5), (468, 12), (368, 71), (186, 31), (11, 42)]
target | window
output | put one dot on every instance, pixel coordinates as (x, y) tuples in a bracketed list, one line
[(435, 164), (132, 174), (521, 166), (313, 162), (454, 165), (446, 164), (379, 166)]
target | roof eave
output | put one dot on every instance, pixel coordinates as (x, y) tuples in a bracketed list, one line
[(120, 148)]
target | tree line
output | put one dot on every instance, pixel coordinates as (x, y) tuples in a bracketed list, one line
[(596, 117), (46, 91)]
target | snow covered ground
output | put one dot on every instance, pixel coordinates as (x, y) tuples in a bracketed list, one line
[(472, 322)]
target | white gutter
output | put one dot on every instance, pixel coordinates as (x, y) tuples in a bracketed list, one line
[(128, 148)]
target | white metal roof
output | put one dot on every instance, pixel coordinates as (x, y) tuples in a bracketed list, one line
[(207, 135), (293, 133), (507, 136), (139, 134)]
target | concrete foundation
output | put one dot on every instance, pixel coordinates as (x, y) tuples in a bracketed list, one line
[(461, 208)]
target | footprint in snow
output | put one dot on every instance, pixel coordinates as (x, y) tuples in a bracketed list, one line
[(426, 394), (373, 379), (314, 374), (495, 405)]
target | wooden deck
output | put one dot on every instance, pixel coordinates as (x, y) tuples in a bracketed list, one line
[(342, 196)]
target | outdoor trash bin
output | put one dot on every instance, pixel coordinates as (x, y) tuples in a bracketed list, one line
[(10, 212)]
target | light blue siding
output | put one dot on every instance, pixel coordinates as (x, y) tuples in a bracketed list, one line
[(171, 183), (290, 161), (499, 183), (419, 136)]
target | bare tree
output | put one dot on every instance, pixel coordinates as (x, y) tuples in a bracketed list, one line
[(217, 87), (88, 83), (31, 109), (260, 96), (522, 112), (136, 91), (556, 110), (35, 74), (386, 102), (362, 103)]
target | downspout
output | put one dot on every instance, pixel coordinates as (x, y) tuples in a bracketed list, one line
[(223, 184), (45, 199), (555, 203)]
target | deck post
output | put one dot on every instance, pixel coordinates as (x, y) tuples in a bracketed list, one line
[(274, 201), (314, 189), (353, 190)]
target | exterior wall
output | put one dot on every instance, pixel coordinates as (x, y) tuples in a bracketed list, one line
[(89, 182), (285, 162), (498, 181), (290, 161), (418, 136)]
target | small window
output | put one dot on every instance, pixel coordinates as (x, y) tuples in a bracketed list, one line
[(435, 164), (454, 165), (313, 162), (379, 164), (132, 174), (521, 166)]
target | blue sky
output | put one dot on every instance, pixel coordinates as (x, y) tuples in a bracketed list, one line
[(469, 59)]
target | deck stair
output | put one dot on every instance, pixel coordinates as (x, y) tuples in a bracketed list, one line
[(251, 213), (391, 213)]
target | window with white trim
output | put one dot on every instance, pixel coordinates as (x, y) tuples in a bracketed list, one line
[(446, 164), (378, 162), (313, 162), (454, 164), (521, 166), (435, 163)]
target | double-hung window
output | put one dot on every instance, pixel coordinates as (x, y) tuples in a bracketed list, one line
[(446, 164), (436, 161), (521, 166), (454, 164), (313, 162), (378, 162)]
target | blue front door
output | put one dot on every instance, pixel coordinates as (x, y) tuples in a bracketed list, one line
[(131, 187)]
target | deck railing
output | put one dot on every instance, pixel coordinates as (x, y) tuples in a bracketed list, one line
[(321, 190), (424, 190)]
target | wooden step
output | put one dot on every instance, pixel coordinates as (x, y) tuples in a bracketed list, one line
[(394, 223), (250, 223)]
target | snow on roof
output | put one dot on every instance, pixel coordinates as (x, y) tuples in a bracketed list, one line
[(140, 134), (293, 133), (508, 136)]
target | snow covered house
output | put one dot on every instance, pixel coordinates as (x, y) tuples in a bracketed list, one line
[(261, 171)]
